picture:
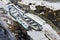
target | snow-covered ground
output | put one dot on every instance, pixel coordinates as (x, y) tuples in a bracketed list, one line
[(2, 5), (36, 35), (47, 29), (54, 6), (7, 15), (5, 26)]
